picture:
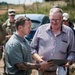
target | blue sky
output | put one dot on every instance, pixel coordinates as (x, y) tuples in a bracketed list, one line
[(20, 1)]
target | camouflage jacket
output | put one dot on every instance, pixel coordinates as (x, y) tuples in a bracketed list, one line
[(9, 26)]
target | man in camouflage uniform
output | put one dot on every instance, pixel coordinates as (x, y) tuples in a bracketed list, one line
[(9, 25)]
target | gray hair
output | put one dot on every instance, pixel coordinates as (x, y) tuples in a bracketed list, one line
[(56, 10)]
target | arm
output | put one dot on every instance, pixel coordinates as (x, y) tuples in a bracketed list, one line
[(21, 66), (27, 66), (7, 31), (71, 48), (34, 47), (5, 24), (37, 57)]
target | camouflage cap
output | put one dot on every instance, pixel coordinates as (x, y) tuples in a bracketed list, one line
[(11, 12)]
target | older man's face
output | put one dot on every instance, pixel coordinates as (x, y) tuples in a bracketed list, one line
[(55, 19)]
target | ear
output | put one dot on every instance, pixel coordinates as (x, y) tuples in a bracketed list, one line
[(49, 16), (61, 18), (20, 27)]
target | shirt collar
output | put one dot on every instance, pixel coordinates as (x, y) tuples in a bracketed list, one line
[(20, 38), (48, 27), (63, 29)]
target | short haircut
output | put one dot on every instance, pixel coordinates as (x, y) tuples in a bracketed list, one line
[(55, 6), (56, 10), (20, 21)]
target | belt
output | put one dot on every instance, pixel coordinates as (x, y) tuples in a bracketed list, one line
[(50, 70), (47, 72)]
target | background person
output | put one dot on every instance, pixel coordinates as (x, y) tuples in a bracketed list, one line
[(54, 41), (67, 21), (9, 25)]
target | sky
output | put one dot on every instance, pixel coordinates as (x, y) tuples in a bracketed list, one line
[(20, 1)]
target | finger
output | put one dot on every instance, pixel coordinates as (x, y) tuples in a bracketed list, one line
[(42, 57)]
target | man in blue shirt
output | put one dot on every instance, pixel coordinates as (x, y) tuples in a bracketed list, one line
[(18, 57)]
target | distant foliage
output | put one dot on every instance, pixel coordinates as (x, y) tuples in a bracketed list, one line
[(3, 18), (3, 3), (51, 0), (40, 8)]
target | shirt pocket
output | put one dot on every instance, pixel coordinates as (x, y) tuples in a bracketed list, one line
[(63, 48)]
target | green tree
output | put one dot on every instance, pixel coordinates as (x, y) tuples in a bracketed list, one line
[(71, 2)]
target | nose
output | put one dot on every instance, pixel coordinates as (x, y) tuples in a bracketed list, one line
[(55, 21)]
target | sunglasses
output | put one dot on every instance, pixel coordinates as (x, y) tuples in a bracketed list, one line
[(65, 20), (12, 15)]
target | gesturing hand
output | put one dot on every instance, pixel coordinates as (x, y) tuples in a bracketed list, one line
[(45, 65)]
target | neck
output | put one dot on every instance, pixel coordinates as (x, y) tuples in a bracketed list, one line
[(20, 34), (56, 31), (11, 20)]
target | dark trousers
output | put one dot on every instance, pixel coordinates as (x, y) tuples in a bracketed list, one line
[(47, 73), (68, 71), (50, 72)]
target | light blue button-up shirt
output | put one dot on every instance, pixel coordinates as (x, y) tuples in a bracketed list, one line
[(61, 46)]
